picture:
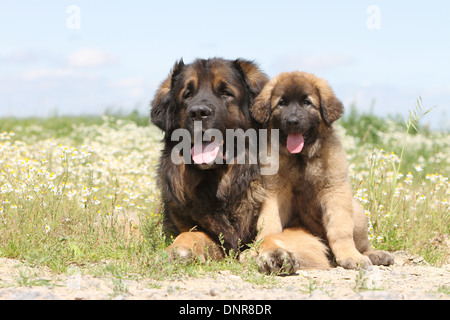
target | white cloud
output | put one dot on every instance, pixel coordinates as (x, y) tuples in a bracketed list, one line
[(127, 82), (384, 100), (134, 87), (90, 57), (316, 63), (84, 58), (437, 90), (19, 56), (47, 73)]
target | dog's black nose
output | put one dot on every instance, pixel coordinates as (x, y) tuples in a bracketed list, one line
[(292, 122), (199, 112)]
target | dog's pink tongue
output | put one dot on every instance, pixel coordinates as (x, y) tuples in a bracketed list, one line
[(205, 153), (295, 142)]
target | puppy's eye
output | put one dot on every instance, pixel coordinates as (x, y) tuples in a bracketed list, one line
[(282, 102), (307, 102)]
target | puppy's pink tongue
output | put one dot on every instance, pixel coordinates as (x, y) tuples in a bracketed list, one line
[(295, 142), (205, 153)]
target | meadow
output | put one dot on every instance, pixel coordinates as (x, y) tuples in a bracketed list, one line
[(81, 191)]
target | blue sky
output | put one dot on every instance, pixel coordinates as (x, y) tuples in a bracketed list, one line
[(377, 54)]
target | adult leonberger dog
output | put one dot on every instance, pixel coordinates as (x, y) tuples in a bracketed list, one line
[(207, 202), (309, 208)]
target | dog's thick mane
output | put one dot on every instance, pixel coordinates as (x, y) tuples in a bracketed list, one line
[(223, 201)]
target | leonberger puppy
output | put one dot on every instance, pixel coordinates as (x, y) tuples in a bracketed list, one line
[(209, 204), (309, 207)]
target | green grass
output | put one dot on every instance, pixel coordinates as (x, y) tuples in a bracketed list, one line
[(400, 174), (78, 191)]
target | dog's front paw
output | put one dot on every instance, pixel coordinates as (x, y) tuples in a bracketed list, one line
[(179, 254), (277, 261)]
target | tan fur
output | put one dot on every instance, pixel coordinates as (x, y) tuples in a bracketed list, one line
[(274, 214), (195, 244), (307, 249), (309, 202)]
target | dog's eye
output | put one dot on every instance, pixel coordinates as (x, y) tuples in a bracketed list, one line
[(282, 102), (226, 92), (187, 93), (307, 102)]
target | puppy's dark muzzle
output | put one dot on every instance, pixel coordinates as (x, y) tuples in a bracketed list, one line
[(199, 113), (293, 124)]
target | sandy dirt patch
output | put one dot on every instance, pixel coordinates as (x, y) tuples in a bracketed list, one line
[(409, 278)]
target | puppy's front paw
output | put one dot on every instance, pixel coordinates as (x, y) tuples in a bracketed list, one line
[(356, 261), (380, 257)]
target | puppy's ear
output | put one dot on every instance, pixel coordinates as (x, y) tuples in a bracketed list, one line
[(160, 115), (254, 79), (331, 108), (261, 107)]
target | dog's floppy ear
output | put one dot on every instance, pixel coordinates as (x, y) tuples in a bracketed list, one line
[(261, 107), (163, 99), (331, 108), (254, 79)]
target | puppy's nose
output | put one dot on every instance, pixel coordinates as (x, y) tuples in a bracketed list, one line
[(292, 122), (199, 112)]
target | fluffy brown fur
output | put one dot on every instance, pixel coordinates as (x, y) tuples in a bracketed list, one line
[(205, 203), (309, 208)]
